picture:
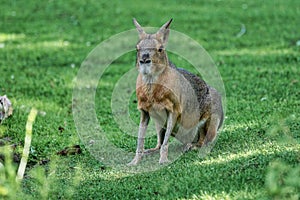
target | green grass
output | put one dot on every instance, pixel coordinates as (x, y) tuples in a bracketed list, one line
[(257, 153)]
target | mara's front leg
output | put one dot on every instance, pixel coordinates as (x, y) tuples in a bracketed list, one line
[(160, 130), (141, 137), (171, 121)]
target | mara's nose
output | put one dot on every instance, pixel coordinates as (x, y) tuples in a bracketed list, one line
[(145, 59)]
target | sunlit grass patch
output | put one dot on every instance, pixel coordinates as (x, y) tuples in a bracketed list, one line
[(8, 37)]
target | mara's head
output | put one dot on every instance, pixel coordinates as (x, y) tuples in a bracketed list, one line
[(151, 54)]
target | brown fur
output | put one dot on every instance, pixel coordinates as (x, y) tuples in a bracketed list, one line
[(180, 103)]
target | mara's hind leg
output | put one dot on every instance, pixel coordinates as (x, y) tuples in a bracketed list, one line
[(200, 135), (160, 138), (211, 131)]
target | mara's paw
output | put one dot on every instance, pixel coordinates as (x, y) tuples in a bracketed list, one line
[(163, 161), (135, 161), (190, 147)]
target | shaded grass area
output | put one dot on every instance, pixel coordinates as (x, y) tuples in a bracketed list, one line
[(44, 44)]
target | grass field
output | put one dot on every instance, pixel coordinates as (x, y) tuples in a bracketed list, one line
[(42, 46)]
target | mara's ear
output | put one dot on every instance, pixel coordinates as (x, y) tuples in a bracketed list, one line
[(142, 33), (163, 33)]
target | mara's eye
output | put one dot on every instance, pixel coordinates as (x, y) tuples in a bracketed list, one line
[(161, 48)]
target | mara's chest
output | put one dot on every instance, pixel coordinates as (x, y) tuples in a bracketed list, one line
[(157, 98)]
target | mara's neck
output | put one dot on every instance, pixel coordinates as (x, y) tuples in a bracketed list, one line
[(149, 79)]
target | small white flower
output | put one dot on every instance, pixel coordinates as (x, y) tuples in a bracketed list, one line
[(42, 113), (91, 142), (263, 99)]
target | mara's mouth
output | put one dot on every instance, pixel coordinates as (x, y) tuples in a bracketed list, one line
[(145, 69), (146, 73)]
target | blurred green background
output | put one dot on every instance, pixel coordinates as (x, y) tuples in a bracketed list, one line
[(255, 45)]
